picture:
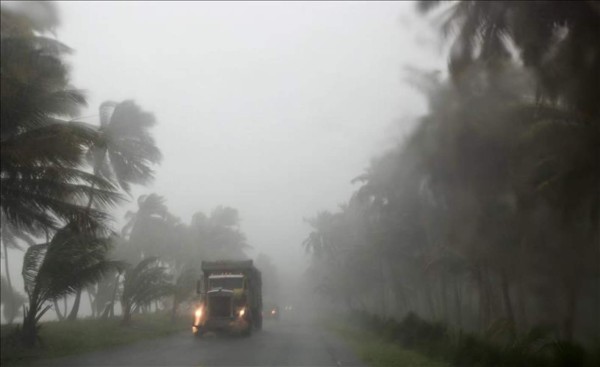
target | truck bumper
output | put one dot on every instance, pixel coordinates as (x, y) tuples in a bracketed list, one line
[(223, 324)]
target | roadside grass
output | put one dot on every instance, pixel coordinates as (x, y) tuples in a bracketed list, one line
[(377, 352), (85, 335), (414, 341)]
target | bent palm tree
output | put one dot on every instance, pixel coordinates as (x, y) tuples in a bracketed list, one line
[(73, 259), (41, 183)]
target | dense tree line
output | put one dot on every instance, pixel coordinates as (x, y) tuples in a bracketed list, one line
[(489, 210)]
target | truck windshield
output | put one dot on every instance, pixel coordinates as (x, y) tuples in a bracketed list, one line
[(226, 283)]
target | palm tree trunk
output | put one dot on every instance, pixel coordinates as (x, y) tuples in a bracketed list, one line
[(31, 318), (7, 271), (444, 292), (109, 311), (458, 304), (6, 264), (75, 310), (521, 306), (174, 309), (569, 321), (507, 303), (126, 313), (483, 306), (29, 329), (114, 295), (57, 310), (91, 299)]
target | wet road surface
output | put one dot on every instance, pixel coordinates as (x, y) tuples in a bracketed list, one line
[(280, 343)]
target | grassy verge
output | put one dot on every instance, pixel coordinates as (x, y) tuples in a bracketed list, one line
[(377, 352), (417, 342), (75, 337)]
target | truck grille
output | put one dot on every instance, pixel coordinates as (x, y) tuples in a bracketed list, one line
[(219, 306)]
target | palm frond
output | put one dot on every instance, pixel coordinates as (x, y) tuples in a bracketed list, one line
[(32, 261), (126, 151), (73, 259)]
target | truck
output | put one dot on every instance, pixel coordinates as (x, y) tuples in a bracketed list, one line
[(229, 298)]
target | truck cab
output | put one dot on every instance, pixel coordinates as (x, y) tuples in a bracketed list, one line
[(230, 298)]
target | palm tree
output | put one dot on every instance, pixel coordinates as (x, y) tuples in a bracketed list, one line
[(558, 40), (123, 152), (321, 241), (146, 229), (11, 239), (142, 284), (41, 182), (146, 233), (71, 260), (11, 300)]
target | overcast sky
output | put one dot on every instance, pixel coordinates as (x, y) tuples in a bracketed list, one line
[(271, 108)]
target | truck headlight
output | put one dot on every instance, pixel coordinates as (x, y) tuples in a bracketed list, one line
[(242, 312), (198, 315)]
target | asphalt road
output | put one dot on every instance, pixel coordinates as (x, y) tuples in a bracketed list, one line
[(280, 343)]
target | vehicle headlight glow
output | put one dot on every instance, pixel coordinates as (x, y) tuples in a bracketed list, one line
[(198, 312), (242, 312)]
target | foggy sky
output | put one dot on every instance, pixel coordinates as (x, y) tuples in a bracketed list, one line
[(271, 108)]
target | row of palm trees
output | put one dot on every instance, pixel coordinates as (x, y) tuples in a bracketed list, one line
[(60, 176), (489, 210)]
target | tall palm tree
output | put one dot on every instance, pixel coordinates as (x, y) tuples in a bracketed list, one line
[(42, 184), (319, 241), (145, 234), (123, 152), (147, 229)]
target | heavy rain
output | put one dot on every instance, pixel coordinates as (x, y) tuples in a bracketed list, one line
[(308, 183)]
